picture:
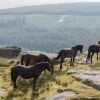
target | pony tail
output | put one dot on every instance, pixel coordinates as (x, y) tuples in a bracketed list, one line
[(22, 58)]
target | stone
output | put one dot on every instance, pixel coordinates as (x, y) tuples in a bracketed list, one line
[(10, 52), (90, 77), (50, 55), (61, 96)]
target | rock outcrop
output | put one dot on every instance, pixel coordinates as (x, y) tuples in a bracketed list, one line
[(89, 77), (50, 55), (62, 96), (10, 52)]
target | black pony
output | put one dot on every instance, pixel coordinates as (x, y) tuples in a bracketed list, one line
[(31, 59), (91, 50), (69, 53), (33, 72)]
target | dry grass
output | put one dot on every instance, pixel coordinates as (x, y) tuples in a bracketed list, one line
[(46, 85)]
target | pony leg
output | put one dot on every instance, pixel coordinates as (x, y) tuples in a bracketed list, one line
[(22, 59), (61, 64), (13, 78), (86, 60), (88, 56), (91, 57), (97, 55), (14, 82), (34, 83), (71, 62)]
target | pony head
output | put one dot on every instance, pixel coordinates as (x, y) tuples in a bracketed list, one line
[(48, 66), (80, 48)]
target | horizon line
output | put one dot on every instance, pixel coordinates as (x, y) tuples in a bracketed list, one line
[(44, 5)]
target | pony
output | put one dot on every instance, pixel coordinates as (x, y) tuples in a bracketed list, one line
[(91, 50), (30, 59), (32, 72), (69, 53)]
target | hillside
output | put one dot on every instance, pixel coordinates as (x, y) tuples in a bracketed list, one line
[(50, 27), (56, 9), (49, 87)]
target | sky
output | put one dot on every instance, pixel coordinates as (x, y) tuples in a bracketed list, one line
[(4, 4)]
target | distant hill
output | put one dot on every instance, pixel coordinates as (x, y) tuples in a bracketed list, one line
[(56, 9), (51, 27)]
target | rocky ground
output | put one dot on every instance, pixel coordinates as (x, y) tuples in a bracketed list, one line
[(90, 77)]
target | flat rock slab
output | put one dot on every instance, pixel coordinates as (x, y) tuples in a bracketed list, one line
[(90, 77), (62, 96), (89, 61), (88, 72), (50, 55)]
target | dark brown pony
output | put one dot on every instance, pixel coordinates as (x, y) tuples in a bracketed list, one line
[(30, 59), (32, 72), (91, 50), (69, 53)]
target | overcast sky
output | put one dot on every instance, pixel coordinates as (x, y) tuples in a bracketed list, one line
[(19, 3)]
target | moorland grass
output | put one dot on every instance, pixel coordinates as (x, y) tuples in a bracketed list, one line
[(46, 85)]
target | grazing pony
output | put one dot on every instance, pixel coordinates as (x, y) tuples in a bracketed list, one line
[(26, 73), (69, 53), (30, 59), (91, 50)]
